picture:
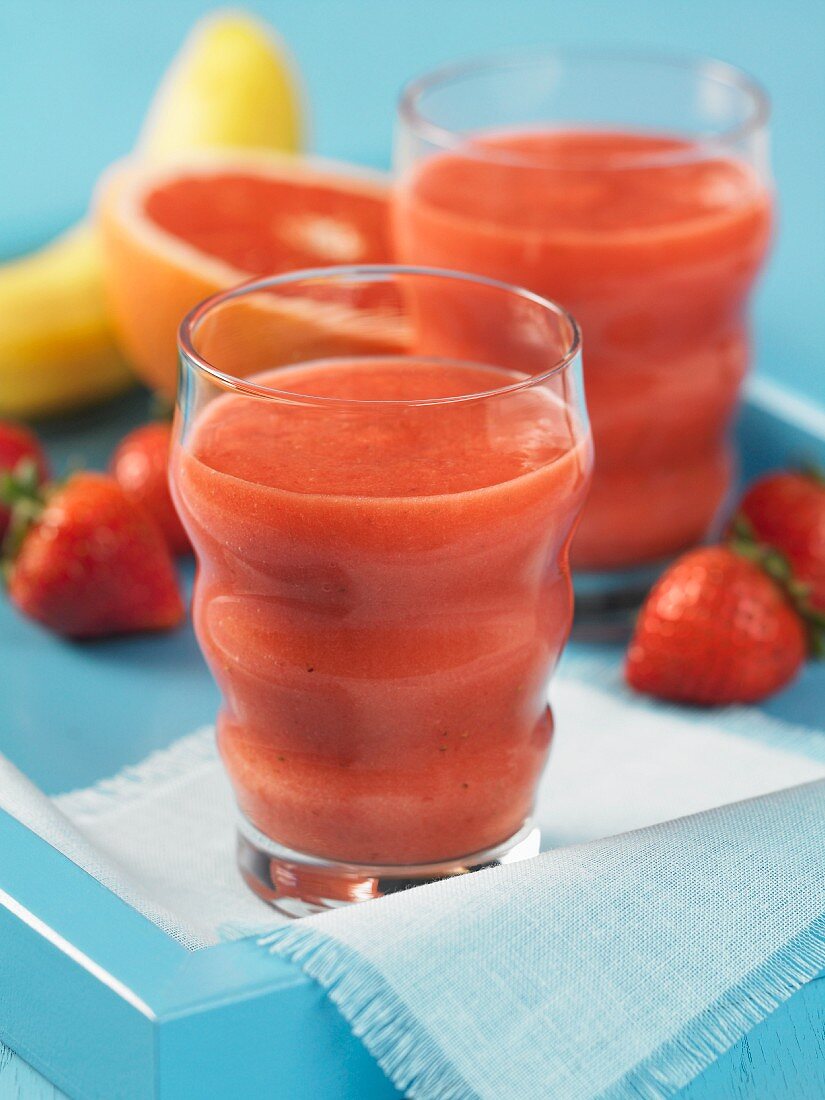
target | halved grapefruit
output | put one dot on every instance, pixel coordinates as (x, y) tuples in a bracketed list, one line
[(173, 234)]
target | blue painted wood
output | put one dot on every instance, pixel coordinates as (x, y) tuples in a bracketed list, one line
[(783, 1058), (76, 965), (20, 1081), (778, 428), (276, 1037), (57, 157), (93, 975), (105, 1004), (84, 913)]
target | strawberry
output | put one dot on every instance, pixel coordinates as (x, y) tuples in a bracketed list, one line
[(787, 510), (19, 446), (724, 624), (85, 561), (140, 465)]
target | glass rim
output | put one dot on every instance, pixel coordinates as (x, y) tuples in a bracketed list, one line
[(704, 67), (373, 272)]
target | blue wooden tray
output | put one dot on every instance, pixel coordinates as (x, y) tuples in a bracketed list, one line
[(104, 1004)]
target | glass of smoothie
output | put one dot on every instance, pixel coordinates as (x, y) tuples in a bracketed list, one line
[(380, 470), (633, 189)]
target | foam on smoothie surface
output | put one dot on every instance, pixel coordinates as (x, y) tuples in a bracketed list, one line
[(384, 451), (605, 182)]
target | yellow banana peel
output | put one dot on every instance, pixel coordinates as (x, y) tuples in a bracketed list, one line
[(57, 351), (232, 85)]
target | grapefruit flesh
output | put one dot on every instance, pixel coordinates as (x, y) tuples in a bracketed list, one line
[(260, 226), (174, 235)]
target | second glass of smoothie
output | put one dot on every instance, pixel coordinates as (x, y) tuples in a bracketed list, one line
[(635, 191), (380, 470)]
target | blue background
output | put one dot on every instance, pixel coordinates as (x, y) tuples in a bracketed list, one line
[(76, 76)]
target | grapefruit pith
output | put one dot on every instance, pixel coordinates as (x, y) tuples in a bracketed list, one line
[(174, 234)]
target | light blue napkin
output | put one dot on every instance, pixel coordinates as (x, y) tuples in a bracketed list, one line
[(617, 968), (613, 967)]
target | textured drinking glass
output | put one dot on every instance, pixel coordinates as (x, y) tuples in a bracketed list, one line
[(635, 191), (380, 470)]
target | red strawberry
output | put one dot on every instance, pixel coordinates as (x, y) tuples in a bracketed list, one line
[(18, 445), (787, 510), (717, 628), (91, 562), (140, 465)]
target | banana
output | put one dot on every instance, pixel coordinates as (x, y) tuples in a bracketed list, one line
[(231, 85), (57, 351)]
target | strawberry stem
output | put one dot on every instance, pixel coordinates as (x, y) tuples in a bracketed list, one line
[(743, 541), (21, 492), (21, 482), (813, 471)]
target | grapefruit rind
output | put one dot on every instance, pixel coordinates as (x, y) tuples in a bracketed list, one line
[(153, 278)]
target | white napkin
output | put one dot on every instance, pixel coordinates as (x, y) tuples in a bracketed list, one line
[(162, 834)]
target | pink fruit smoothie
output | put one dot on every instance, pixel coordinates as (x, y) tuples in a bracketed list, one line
[(382, 594), (653, 245)]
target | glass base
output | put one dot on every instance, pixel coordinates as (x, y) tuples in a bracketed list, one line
[(298, 885)]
